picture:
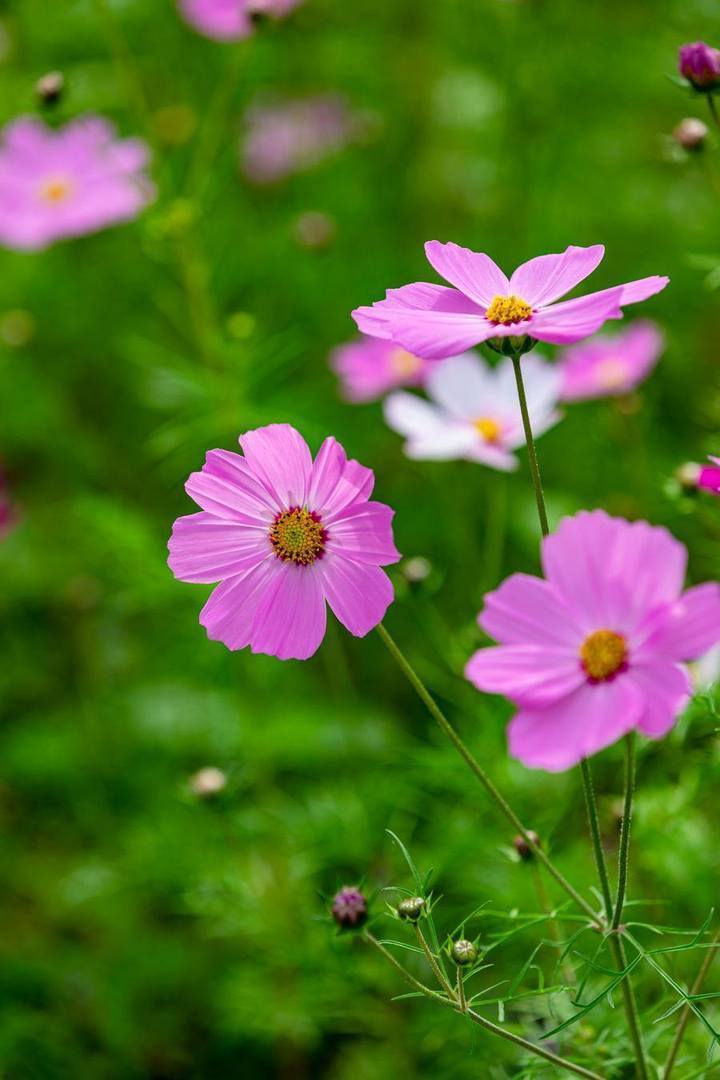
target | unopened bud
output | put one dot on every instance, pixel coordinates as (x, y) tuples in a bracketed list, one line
[(691, 133), (349, 908), (416, 569), (464, 952), (49, 88), (411, 909), (208, 781), (699, 63), (523, 848)]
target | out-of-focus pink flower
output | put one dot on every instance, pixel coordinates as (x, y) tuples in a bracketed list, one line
[(610, 366), (59, 183), (597, 648), (700, 65), (691, 133), (8, 510), (286, 137), (284, 535), (709, 476), (370, 367), (230, 20), (473, 411), (436, 321)]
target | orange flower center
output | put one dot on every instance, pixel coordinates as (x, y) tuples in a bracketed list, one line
[(55, 190), (404, 364), (611, 373), (488, 429), (508, 310), (298, 536), (602, 654)]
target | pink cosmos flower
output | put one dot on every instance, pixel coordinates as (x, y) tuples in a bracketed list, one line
[(369, 367), (700, 65), (473, 411), (610, 366), (289, 136), (230, 20), (436, 321), (709, 476), (59, 183), (284, 535), (596, 649)]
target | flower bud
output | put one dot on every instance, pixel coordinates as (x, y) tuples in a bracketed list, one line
[(349, 908), (49, 88), (699, 63), (208, 781), (691, 133), (416, 569), (523, 848), (411, 909), (464, 952), (692, 476)]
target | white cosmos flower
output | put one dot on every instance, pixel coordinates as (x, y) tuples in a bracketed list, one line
[(473, 411)]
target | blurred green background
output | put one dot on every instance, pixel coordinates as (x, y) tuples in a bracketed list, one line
[(146, 930)]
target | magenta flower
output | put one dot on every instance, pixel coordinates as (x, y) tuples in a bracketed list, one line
[(596, 649), (435, 321), (284, 535), (289, 136), (230, 20), (370, 367), (700, 65), (609, 366), (709, 476), (59, 183)]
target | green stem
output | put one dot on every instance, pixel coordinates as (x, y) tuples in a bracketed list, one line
[(625, 828), (532, 454), (194, 273), (594, 822), (446, 727), (461, 991), (687, 1012), (213, 128), (713, 110), (127, 68), (433, 962), (494, 1029)]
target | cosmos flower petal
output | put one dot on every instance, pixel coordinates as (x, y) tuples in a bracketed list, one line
[(363, 532), (530, 675), (358, 594), (224, 20), (435, 335), (548, 277), (355, 485), (431, 434), (327, 470), (290, 619), (280, 457), (204, 548), (463, 386), (370, 367), (229, 613), (571, 320), (494, 456), (472, 272), (227, 488), (611, 365), (526, 609), (666, 691), (692, 626), (560, 736)]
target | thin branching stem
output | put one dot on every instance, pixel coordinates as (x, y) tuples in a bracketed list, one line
[(532, 454), (433, 962), (687, 1012), (461, 990), (624, 853), (594, 823), (713, 110)]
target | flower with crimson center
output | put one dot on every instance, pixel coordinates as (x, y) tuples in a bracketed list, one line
[(596, 649), (435, 321), (285, 536)]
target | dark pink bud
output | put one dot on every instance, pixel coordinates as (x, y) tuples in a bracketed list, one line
[(700, 65), (349, 908), (709, 477)]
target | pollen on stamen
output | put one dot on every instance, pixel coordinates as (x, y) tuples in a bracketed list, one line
[(298, 536), (55, 190), (488, 429), (603, 654), (507, 310)]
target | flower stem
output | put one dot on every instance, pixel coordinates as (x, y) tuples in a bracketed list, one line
[(447, 728), (532, 454), (685, 1015), (494, 1029), (713, 110), (625, 829), (126, 67), (433, 962), (461, 991), (594, 822)]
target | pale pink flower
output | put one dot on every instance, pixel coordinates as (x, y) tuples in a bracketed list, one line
[(436, 321), (286, 137), (473, 411), (285, 535), (369, 367), (57, 183), (597, 648), (610, 366), (230, 20)]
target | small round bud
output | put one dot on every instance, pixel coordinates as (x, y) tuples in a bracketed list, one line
[(411, 909), (523, 848), (314, 230), (699, 63), (691, 133), (349, 908), (416, 569), (208, 781), (49, 88), (464, 952)]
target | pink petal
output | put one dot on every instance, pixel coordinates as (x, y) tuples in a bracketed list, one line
[(279, 456), (354, 486), (204, 548), (228, 615), (363, 532), (530, 675), (571, 320), (666, 691), (548, 277), (472, 272), (435, 335), (327, 471), (692, 626), (421, 295), (227, 488), (527, 610), (593, 717), (358, 595), (290, 620)]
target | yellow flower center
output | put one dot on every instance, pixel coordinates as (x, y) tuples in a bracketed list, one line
[(404, 364), (612, 373), (55, 190), (298, 536), (508, 310), (602, 654), (488, 429)]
